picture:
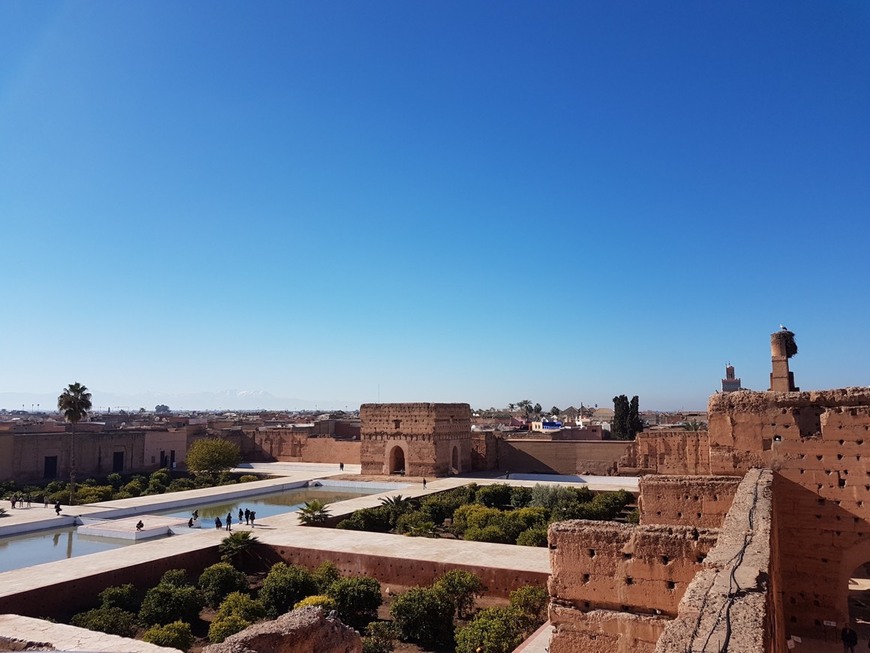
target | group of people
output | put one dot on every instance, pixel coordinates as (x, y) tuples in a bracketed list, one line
[(247, 515), (18, 500)]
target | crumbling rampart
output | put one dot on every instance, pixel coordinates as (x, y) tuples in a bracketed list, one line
[(731, 605)]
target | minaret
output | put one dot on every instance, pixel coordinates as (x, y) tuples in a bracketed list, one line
[(730, 383), (782, 347)]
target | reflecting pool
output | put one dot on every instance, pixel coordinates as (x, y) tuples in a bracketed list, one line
[(38, 547)]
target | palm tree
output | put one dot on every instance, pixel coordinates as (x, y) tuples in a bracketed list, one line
[(235, 545), (74, 402), (314, 512)]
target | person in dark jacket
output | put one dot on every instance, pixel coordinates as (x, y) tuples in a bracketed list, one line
[(850, 638)]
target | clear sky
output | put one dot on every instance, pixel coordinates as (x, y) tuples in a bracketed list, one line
[(340, 202)]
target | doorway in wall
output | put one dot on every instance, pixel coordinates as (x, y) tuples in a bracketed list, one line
[(397, 461)]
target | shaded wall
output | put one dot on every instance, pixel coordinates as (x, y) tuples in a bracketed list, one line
[(560, 457)]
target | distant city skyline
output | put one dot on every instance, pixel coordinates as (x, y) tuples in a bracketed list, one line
[(336, 204)]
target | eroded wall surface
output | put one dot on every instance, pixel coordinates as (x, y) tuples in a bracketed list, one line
[(701, 501), (731, 605), (618, 584), (561, 457), (667, 452), (430, 439), (818, 443)]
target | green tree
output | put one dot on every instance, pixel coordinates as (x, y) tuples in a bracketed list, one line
[(325, 575), (620, 427), (494, 630), (211, 456), (74, 403), (357, 600), (165, 603), (462, 587), (161, 408), (380, 637), (635, 423), (555, 412), (496, 495), (121, 596), (242, 605), (223, 627), (174, 635), (107, 619), (531, 601), (424, 615), (536, 536), (326, 603), (219, 580), (313, 512), (285, 586)]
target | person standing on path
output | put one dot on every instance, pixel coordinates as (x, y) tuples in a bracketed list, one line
[(229, 521), (57, 508), (247, 516), (218, 523), (424, 483), (849, 637), (341, 467), (241, 514), (253, 514)]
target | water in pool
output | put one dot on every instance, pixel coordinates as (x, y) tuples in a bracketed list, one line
[(25, 550)]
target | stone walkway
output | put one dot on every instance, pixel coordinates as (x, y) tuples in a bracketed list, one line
[(69, 638)]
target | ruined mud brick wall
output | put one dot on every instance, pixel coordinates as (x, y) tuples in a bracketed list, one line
[(613, 586), (291, 445), (27, 452), (818, 443), (700, 501), (426, 433), (733, 602), (667, 452), (484, 450), (560, 457)]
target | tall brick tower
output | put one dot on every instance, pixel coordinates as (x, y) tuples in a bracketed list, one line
[(782, 347)]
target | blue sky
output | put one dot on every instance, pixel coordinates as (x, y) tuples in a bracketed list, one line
[(454, 201)]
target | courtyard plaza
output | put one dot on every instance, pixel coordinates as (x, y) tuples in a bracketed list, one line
[(278, 531)]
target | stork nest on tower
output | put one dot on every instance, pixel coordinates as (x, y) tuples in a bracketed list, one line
[(787, 338)]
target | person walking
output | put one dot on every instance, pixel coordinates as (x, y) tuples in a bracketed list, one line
[(849, 638), (424, 483), (57, 508), (247, 516), (341, 467), (253, 514), (229, 521), (241, 514)]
